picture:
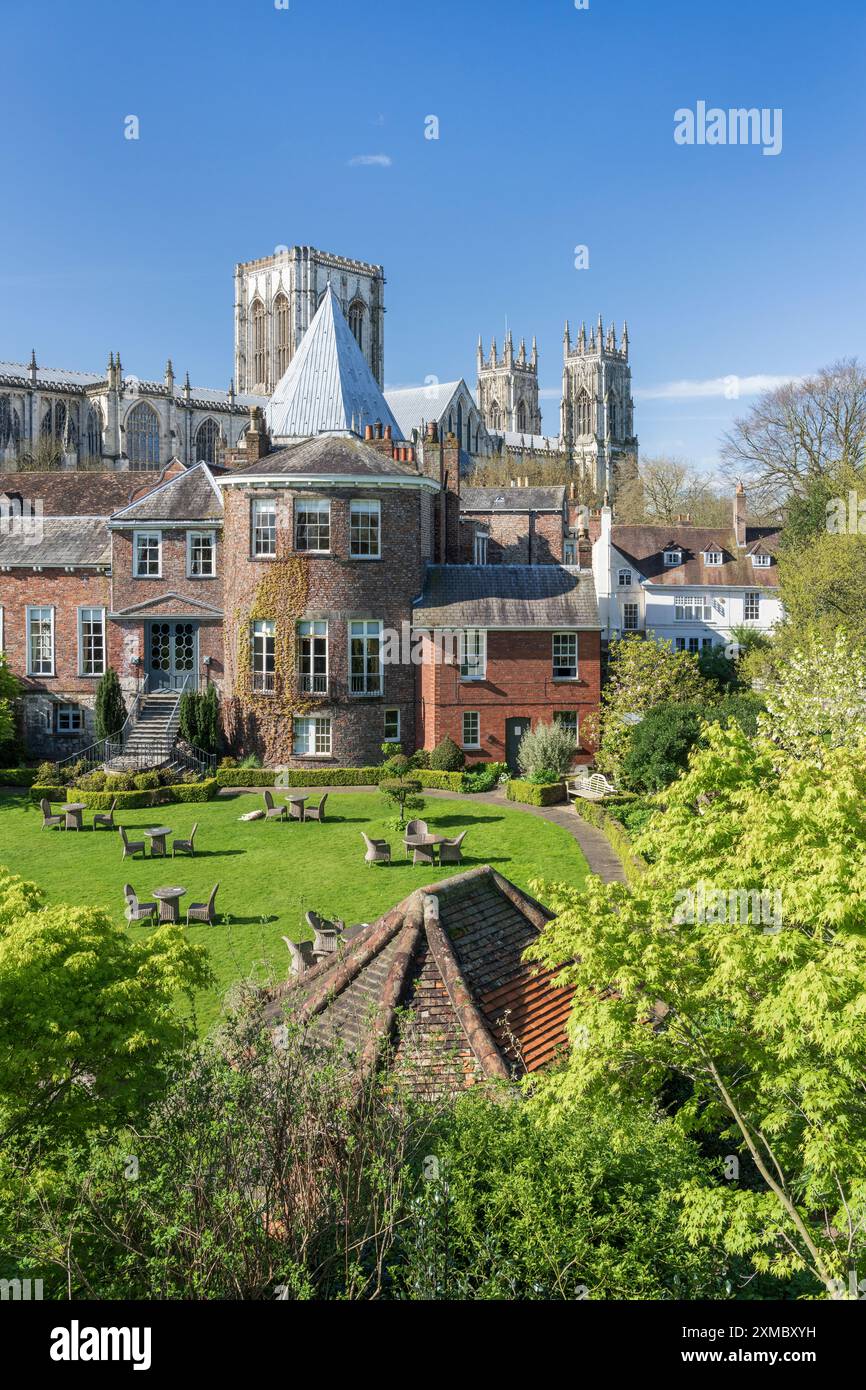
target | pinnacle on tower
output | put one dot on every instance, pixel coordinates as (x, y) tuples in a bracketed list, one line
[(534, 358), (625, 338)]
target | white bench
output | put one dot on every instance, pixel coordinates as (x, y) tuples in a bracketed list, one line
[(591, 788)]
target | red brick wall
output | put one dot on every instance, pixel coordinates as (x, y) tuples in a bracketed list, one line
[(515, 538), (518, 683)]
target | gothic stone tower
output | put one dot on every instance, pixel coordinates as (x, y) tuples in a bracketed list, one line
[(276, 299), (508, 389), (597, 407)]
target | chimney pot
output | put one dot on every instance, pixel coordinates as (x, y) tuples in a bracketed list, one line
[(368, 431), (388, 431)]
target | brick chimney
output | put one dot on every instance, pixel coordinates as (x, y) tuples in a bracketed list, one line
[(256, 439), (740, 515)]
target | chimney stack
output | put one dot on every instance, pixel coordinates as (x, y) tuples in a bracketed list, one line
[(740, 516)]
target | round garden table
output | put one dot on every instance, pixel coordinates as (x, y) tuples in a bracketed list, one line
[(169, 903), (156, 834), (427, 844), (301, 803), (73, 811)]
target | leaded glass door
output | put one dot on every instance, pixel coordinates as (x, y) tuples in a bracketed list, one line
[(172, 655)]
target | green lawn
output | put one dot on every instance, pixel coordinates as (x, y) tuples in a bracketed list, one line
[(270, 873)]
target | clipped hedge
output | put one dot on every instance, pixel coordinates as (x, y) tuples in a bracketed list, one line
[(130, 801), (439, 781), (535, 793), (17, 776), (332, 777), (616, 835)]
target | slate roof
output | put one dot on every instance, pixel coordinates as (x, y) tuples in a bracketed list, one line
[(328, 385), (512, 499), (442, 980), (191, 496), (55, 541), (507, 596), (322, 456), (643, 547), (18, 374), (546, 443), (412, 405), (82, 493)]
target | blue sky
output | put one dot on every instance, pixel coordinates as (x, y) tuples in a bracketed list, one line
[(556, 130)]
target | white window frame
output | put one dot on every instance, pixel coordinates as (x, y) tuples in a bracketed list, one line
[(694, 608), (558, 718), (312, 736), (571, 639), (569, 552), (479, 548), (366, 507), (322, 507), (761, 561), (624, 578), (39, 608), (372, 631), (476, 742), (473, 654), (626, 610), (312, 630), (713, 558), (191, 537), (259, 673), (68, 733), (672, 557), (91, 608), (751, 598), (149, 535), (258, 531), (393, 738)]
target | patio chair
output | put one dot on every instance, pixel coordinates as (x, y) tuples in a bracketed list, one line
[(273, 812), (131, 847), (378, 851), (135, 910), (317, 812), (450, 851), (203, 912), (48, 820), (301, 953), (185, 846), (105, 818), (416, 827), (327, 935)]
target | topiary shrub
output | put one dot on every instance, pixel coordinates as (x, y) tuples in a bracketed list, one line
[(396, 766), (447, 757), (546, 752), (109, 712), (420, 759)]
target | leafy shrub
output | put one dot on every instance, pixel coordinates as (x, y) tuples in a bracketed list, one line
[(391, 750), (109, 712), (546, 751), (660, 745), (94, 781), (441, 781), (447, 757), (396, 766), (483, 777), (47, 775), (420, 759), (228, 762), (535, 793), (120, 782), (146, 781), (17, 776), (251, 760)]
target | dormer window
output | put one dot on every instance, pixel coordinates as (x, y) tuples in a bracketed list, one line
[(761, 561), (624, 579), (713, 557), (673, 557)]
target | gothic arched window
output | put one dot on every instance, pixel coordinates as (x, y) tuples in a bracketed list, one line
[(207, 438), (10, 425), (54, 421), (356, 321), (93, 433), (460, 423), (584, 413), (281, 323), (612, 416), (495, 415), (259, 335), (142, 436), (521, 417)]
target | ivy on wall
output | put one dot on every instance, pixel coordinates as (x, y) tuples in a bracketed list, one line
[(281, 597)]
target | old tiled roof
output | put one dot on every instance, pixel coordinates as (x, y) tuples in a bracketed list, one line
[(191, 496), (328, 384), (82, 493), (325, 455), (55, 541), (507, 596), (644, 547), (441, 978), (512, 499)]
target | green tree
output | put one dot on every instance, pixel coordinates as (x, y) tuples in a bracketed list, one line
[(546, 749), (823, 586), (88, 1023), (817, 699), (641, 674), (660, 745), (761, 1014), (10, 687), (110, 710)]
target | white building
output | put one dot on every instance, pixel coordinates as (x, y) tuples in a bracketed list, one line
[(687, 585)]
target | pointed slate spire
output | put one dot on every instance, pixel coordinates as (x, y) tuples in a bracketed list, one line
[(328, 382)]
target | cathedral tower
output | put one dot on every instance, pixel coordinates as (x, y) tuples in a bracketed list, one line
[(508, 389), (597, 423)]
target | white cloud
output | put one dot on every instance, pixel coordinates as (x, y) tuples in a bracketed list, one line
[(727, 387), (382, 160)]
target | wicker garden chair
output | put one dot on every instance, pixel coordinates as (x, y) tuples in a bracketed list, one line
[(317, 812), (48, 820), (131, 847), (203, 912), (185, 846), (136, 911), (273, 812), (105, 818), (378, 851)]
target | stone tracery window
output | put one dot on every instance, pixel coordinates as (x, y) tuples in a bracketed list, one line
[(612, 415), (584, 413), (142, 436), (10, 425), (259, 336), (521, 417), (495, 415), (207, 439), (281, 320), (356, 321), (93, 433), (54, 421)]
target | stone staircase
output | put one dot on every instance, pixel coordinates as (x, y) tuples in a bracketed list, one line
[(152, 737)]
